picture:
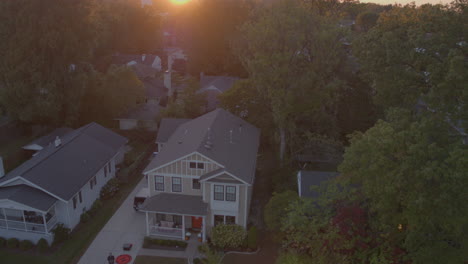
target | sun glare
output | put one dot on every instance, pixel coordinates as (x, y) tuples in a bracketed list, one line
[(179, 2)]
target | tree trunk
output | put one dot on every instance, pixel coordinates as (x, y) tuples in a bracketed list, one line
[(282, 132)]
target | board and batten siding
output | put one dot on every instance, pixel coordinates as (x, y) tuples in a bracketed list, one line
[(182, 169)]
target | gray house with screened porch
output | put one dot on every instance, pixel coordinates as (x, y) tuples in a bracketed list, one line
[(59, 183), (202, 176)]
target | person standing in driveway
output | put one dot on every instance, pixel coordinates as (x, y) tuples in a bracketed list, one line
[(110, 258)]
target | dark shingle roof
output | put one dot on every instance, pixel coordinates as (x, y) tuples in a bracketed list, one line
[(167, 126), (220, 136), (154, 88), (29, 196), (176, 204), (148, 111), (64, 170), (217, 83), (47, 139), (314, 178)]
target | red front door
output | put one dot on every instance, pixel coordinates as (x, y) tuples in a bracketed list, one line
[(197, 222)]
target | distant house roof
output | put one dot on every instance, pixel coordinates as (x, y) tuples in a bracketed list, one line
[(217, 83), (62, 171), (212, 86), (154, 88), (167, 126), (145, 59), (218, 135), (175, 204), (307, 179), (27, 195), (143, 71), (146, 111), (47, 139)]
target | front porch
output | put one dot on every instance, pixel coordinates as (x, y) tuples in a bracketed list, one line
[(175, 226), (175, 216), (28, 221)]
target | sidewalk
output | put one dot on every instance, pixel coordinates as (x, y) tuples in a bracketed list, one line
[(125, 226)]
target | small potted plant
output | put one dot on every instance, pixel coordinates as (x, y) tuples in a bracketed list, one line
[(200, 238), (187, 235)]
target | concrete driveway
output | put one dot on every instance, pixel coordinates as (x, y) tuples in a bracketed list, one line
[(125, 226)]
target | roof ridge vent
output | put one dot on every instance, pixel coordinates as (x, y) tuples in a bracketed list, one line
[(230, 136), (208, 143), (57, 142)]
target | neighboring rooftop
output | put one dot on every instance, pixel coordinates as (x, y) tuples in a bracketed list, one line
[(307, 179), (217, 83), (29, 196), (218, 135), (42, 142), (167, 126), (146, 112), (63, 170)]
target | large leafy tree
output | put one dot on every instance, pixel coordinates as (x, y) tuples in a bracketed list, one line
[(292, 58), (413, 174), (44, 46), (418, 55)]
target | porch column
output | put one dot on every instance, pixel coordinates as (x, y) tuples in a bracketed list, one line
[(147, 225), (6, 220), (183, 227), (24, 221), (45, 223), (204, 229)]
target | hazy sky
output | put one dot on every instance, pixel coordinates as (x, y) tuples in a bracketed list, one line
[(418, 2)]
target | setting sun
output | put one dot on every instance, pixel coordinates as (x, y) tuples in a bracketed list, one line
[(179, 2)]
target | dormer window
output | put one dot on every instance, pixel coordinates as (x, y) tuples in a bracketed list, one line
[(197, 165)]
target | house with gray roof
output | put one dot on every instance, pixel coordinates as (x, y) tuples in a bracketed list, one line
[(213, 86), (306, 180), (59, 183), (202, 177)]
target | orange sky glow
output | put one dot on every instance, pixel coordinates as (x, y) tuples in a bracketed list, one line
[(404, 2), (179, 2)]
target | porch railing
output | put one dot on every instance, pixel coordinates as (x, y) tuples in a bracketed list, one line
[(156, 230), (26, 226)]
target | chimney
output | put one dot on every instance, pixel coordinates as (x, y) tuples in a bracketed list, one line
[(2, 171), (57, 142), (167, 82), (143, 56)]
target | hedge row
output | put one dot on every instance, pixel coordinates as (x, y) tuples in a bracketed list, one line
[(147, 242), (42, 245)]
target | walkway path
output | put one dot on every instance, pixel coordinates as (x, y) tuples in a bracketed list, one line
[(125, 226)]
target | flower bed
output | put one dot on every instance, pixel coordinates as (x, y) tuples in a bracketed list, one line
[(153, 243)]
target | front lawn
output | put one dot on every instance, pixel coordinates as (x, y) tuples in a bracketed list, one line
[(158, 260), (82, 236)]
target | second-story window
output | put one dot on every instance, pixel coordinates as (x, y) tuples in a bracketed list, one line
[(159, 183), (92, 182), (197, 165), (176, 184), (106, 168), (219, 192), (231, 193), (74, 202), (81, 197), (195, 184)]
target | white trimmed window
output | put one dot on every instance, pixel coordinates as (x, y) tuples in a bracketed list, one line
[(197, 165), (231, 193), (176, 184), (159, 183), (196, 184), (224, 219), (219, 192)]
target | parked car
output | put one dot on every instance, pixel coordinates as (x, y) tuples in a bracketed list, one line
[(140, 198)]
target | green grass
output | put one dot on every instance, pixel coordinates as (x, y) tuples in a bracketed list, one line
[(158, 260), (83, 234)]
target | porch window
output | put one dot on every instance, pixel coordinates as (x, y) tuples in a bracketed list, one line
[(176, 184), (177, 219), (2, 215), (218, 219), (219, 192), (14, 215), (159, 183), (196, 184), (230, 220), (231, 193)]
